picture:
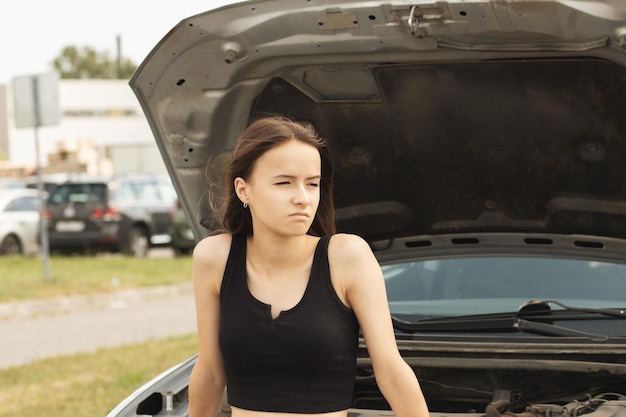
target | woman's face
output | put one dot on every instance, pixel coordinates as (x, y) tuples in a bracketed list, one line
[(283, 190)]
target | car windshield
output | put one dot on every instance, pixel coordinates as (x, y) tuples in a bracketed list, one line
[(146, 190), (78, 193), (483, 285), (23, 204)]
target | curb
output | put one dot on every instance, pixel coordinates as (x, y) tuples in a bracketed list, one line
[(72, 304)]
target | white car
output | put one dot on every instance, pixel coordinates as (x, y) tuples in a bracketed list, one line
[(19, 221), (480, 148)]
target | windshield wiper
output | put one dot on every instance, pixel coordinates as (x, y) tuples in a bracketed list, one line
[(490, 323), (554, 330), (544, 305), (509, 322)]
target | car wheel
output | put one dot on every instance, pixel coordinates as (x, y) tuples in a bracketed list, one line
[(182, 251), (138, 242), (10, 246)]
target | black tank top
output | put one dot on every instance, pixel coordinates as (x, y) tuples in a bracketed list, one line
[(303, 361)]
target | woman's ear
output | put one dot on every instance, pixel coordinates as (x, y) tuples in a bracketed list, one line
[(240, 189)]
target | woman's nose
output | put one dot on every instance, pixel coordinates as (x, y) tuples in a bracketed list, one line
[(302, 196)]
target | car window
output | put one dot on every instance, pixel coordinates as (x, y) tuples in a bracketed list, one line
[(460, 286), (145, 190), (78, 193), (23, 204)]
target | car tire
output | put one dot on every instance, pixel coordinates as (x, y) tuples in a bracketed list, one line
[(138, 242), (182, 251), (10, 246)]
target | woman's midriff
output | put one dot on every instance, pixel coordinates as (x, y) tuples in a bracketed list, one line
[(240, 412)]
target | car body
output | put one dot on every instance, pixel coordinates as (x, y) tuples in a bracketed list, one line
[(7, 183), (48, 181), (19, 221), (480, 149), (182, 239), (128, 214)]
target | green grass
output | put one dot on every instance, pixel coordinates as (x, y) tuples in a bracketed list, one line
[(87, 384), (22, 278)]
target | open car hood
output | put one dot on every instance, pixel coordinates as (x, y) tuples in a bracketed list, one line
[(443, 118), (480, 146)]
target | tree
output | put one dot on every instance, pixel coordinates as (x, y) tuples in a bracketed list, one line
[(75, 63)]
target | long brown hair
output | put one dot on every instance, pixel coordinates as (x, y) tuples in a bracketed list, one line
[(260, 136)]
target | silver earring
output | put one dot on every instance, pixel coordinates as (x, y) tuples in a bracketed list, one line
[(245, 205)]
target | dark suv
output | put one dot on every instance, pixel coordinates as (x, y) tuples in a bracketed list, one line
[(130, 214)]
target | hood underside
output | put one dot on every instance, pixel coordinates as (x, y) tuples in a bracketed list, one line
[(442, 118)]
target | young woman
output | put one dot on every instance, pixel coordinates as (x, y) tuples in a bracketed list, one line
[(280, 297)]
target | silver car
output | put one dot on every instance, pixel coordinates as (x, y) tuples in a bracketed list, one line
[(480, 148), (19, 221)]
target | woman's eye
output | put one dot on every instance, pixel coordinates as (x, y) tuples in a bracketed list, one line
[(314, 184), (282, 183)]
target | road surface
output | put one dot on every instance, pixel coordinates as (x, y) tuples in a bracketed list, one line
[(36, 330)]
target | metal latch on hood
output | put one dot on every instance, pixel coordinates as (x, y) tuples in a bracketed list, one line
[(419, 20)]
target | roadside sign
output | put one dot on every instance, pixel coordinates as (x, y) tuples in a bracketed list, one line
[(36, 99)]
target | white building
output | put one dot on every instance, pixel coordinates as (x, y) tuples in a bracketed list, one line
[(101, 122)]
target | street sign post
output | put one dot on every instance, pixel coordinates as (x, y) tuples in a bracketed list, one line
[(36, 103)]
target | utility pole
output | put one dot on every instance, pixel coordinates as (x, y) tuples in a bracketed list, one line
[(119, 56)]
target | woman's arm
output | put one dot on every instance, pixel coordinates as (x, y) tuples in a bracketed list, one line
[(207, 382), (361, 279)]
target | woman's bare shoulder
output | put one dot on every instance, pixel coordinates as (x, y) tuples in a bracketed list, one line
[(345, 246), (352, 263), (214, 242), (349, 254), (212, 251)]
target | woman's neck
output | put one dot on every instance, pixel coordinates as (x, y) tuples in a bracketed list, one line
[(274, 252)]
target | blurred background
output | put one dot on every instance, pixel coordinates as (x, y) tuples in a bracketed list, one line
[(94, 48), (83, 314), (98, 131)]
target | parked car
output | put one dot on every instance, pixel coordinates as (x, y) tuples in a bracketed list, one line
[(182, 238), (130, 214), (19, 221), (480, 148)]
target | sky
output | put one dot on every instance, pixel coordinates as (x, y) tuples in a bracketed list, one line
[(34, 32)]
